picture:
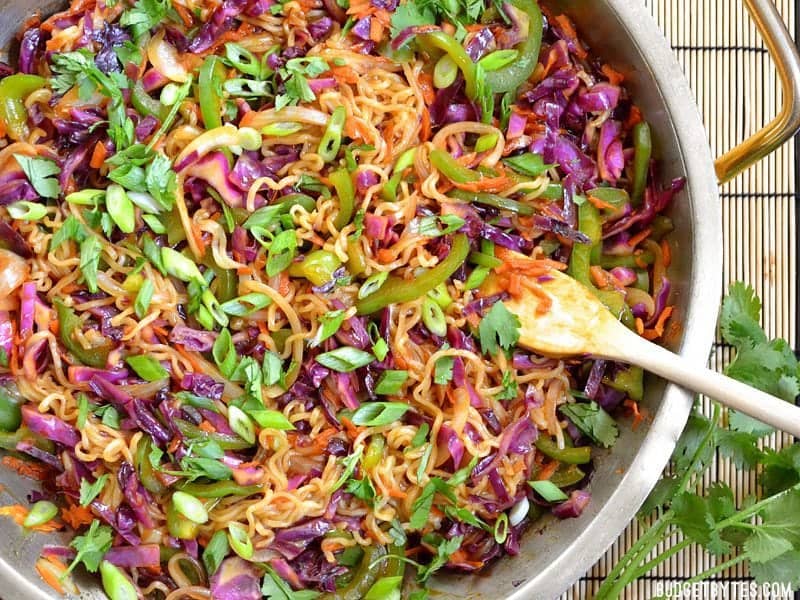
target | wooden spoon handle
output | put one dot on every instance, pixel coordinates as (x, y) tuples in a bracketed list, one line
[(771, 410)]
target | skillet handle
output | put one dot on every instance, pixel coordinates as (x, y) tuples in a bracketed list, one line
[(784, 54)]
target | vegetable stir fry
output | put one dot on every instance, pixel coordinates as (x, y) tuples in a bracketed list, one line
[(253, 263)]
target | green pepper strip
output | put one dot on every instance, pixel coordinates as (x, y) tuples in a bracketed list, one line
[(68, 322), (629, 381), (227, 283), (145, 104), (451, 168), (10, 439), (492, 200), (448, 44), (609, 261), (13, 90), (642, 150), (580, 259), (212, 74), (10, 413), (574, 456), (145, 468), (226, 442), (343, 183), (219, 489), (365, 576), (567, 476), (509, 78), (397, 289)]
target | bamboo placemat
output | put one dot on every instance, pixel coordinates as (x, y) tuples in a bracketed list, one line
[(736, 88)]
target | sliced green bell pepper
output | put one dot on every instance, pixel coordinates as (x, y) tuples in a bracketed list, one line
[(642, 150), (509, 78), (68, 322), (574, 456), (449, 45), (397, 289), (13, 91)]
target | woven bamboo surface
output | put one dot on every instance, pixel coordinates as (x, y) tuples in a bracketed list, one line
[(736, 88)]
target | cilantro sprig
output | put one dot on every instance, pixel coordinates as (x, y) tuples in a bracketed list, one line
[(762, 531)]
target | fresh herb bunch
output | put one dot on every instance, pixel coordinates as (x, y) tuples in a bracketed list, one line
[(764, 530)]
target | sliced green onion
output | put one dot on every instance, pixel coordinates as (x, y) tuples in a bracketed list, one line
[(280, 129), (239, 539), (390, 382), (213, 306), (386, 588), (376, 414), (146, 202), (529, 164), (147, 367), (498, 59), (271, 419), (332, 139), (246, 305), (116, 585), (441, 295), (476, 278), (433, 317), (501, 528), (249, 138), (241, 424), (180, 267), (445, 72), (484, 260), (169, 94), (548, 490), (40, 513), (190, 507), (372, 284), (242, 59), (143, 298), (486, 142), (26, 211), (87, 197), (247, 87), (155, 224), (120, 208), (282, 251), (205, 318), (345, 359), (329, 323)]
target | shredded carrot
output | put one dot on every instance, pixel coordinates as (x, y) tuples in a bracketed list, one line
[(321, 440), (18, 513), (395, 492), (658, 330), (198, 368), (487, 184), (343, 74), (160, 331), (425, 126), (666, 253), (98, 155), (183, 13), (76, 515), (599, 276), (545, 301), (352, 430), (514, 285), (426, 86), (634, 117), (547, 470), (614, 76), (639, 237), (206, 426), (31, 470), (375, 30), (637, 415), (639, 325), (51, 576), (384, 255), (600, 203)]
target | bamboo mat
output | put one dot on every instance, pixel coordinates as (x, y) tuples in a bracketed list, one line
[(736, 88)]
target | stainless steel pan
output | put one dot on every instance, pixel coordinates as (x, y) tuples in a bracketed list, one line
[(558, 552)]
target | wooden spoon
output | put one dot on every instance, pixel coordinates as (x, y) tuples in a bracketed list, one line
[(577, 323)]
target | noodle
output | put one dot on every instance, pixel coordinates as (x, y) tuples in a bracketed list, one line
[(239, 315)]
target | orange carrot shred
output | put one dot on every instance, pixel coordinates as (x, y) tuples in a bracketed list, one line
[(98, 155)]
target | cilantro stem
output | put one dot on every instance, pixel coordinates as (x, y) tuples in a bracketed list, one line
[(717, 568)]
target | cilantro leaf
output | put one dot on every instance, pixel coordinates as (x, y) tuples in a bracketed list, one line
[(592, 420), (144, 15), (39, 172), (90, 491), (498, 326), (739, 318), (71, 229), (444, 549), (295, 82), (409, 14), (91, 546)]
